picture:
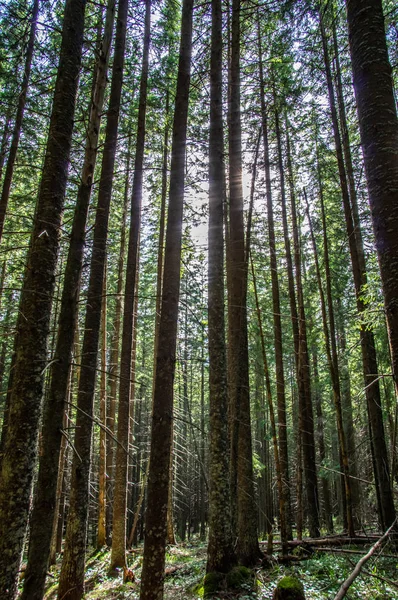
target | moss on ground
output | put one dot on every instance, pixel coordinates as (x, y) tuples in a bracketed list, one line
[(289, 588)]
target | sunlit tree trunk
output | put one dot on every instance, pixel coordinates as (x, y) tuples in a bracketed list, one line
[(220, 551), (30, 350), (71, 584)]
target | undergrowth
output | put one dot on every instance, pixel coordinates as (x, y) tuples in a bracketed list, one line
[(321, 575)]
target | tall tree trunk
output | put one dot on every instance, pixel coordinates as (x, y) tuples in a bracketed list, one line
[(370, 369), (101, 532), (45, 495), (306, 419), (16, 134), (327, 504), (114, 354), (276, 307), (20, 443), (162, 414), (118, 558), (378, 123), (268, 391), (331, 353), (71, 584), (242, 480), (220, 551)]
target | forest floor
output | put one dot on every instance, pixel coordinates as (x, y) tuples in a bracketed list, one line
[(321, 574)]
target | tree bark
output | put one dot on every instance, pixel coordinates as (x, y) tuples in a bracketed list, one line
[(45, 496), (71, 584), (30, 350), (220, 551), (118, 558), (369, 359), (306, 419), (242, 480), (162, 414), (378, 123)]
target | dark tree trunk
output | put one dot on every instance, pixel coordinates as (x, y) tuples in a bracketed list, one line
[(369, 359), (16, 134), (276, 309), (54, 406), (114, 355), (118, 558), (379, 138), (162, 415), (30, 351), (71, 585), (220, 552), (306, 418), (331, 353), (242, 480)]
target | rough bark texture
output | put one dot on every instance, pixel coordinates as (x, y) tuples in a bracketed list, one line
[(71, 585), (54, 407), (120, 494), (30, 351), (220, 552), (331, 353), (276, 309), (242, 482), (5, 193), (369, 359), (101, 532), (162, 415), (379, 138), (306, 418)]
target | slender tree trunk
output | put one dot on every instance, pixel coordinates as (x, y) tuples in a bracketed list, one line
[(331, 354), (71, 584), (25, 395), (378, 123), (45, 496), (114, 355), (327, 504), (162, 414), (370, 369), (16, 134), (101, 533), (306, 419), (242, 480), (220, 551), (276, 308), (282, 497), (118, 558)]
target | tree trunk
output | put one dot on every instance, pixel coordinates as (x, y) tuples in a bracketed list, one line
[(242, 480), (114, 355), (45, 496), (30, 350), (162, 414), (16, 134), (378, 123), (220, 551), (118, 558), (370, 369), (276, 309), (306, 419), (101, 533), (71, 585), (331, 353)]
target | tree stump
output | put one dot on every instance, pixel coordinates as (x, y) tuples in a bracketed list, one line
[(289, 588)]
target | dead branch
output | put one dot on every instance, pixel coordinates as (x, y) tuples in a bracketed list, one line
[(358, 567)]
